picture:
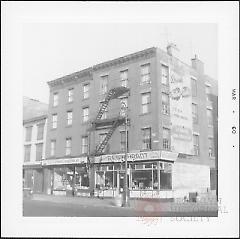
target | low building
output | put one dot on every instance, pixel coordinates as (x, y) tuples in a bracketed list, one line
[(34, 138), (169, 131)]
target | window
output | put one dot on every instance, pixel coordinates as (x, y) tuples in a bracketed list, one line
[(40, 131), (165, 75), (28, 133), (165, 103), (145, 74), (166, 139), (70, 95), (196, 144), (55, 99), (85, 114), (69, 117), (53, 147), (194, 87), (27, 153), (54, 121), (123, 141), (39, 151), (194, 113), (209, 117), (124, 101), (84, 144), (86, 88), (211, 147), (124, 78), (68, 146), (102, 136), (146, 139), (146, 100), (208, 92), (104, 84)]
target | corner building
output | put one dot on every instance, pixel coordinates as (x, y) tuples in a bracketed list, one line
[(170, 138)]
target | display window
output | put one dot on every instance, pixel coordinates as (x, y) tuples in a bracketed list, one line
[(82, 178)]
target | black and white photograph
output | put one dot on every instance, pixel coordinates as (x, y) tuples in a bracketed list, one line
[(120, 120)]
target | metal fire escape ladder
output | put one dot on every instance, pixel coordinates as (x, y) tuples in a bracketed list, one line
[(112, 94)]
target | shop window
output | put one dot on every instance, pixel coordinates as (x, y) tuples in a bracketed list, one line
[(142, 179), (40, 131), (124, 78), (39, 151), (82, 178), (28, 133), (146, 101), (63, 178), (27, 153), (165, 75), (145, 74), (146, 139)]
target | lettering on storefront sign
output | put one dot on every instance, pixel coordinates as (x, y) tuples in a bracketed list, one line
[(64, 161), (171, 156)]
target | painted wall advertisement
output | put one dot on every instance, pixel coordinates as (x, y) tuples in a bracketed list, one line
[(181, 109)]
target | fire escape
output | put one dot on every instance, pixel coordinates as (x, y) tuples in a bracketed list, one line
[(112, 123)]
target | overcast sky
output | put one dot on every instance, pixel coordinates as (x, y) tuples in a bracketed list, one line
[(52, 50)]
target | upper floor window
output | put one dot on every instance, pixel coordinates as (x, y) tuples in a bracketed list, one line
[(194, 87), (146, 139), (209, 117), (124, 78), (146, 101), (208, 92), (104, 84), (40, 131), (165, 103), (165, 75), (85, 114), (196, 144), (84, 144), (102, 137), (194, 113), (123, 103), (166, 139), (39, 152), (210, 147), (28, 133), (68, 146), (55, 99), (123, 141), (145, 74), (27, 153), (52, 147), (86, 88), (105, 113), (69, 117), (54, 121), (70, 95)]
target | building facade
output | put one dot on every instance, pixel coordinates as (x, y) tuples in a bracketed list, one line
[(34, 138), (170, 137)]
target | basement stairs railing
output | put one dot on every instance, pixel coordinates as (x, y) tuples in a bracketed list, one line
[(115, 122)]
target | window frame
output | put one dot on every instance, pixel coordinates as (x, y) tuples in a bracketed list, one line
[(147, 104), (27, 153), (104, 84), (55, 100), (28, 136), (194, 86), (86, 94), (54, 122), (84, 116), (146, 138), (69, 119), (122, 79), (165, 105), (163, 76), (84, 147), (68, 149), (38, 151), (195, 114), (70, 95), (166, 142), (53, 149), (196, 147), (143, 75)]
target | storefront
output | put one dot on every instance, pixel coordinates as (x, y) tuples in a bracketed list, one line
[(149, 173), (33, 176), (67, 177)]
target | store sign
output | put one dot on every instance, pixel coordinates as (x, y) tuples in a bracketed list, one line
[(181, 109), (32, 163), (131, 157), (64, 161), (170, 156)]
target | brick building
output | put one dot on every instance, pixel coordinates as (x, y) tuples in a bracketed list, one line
[(34, 138), (170, 139)]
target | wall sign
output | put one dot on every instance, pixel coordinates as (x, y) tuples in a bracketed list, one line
[(81, 160)]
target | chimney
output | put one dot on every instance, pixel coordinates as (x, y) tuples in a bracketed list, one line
[(197, 64)]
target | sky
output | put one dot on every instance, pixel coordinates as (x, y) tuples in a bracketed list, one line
[(52, 50)]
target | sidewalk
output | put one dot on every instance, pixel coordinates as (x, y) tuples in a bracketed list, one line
[(146, 205)]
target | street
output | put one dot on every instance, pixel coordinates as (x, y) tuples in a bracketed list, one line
[(57, 207)]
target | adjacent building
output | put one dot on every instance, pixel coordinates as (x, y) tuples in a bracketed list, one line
[(34, 138), (169, 138)]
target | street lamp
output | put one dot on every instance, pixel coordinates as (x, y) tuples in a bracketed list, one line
[(125, 189)]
